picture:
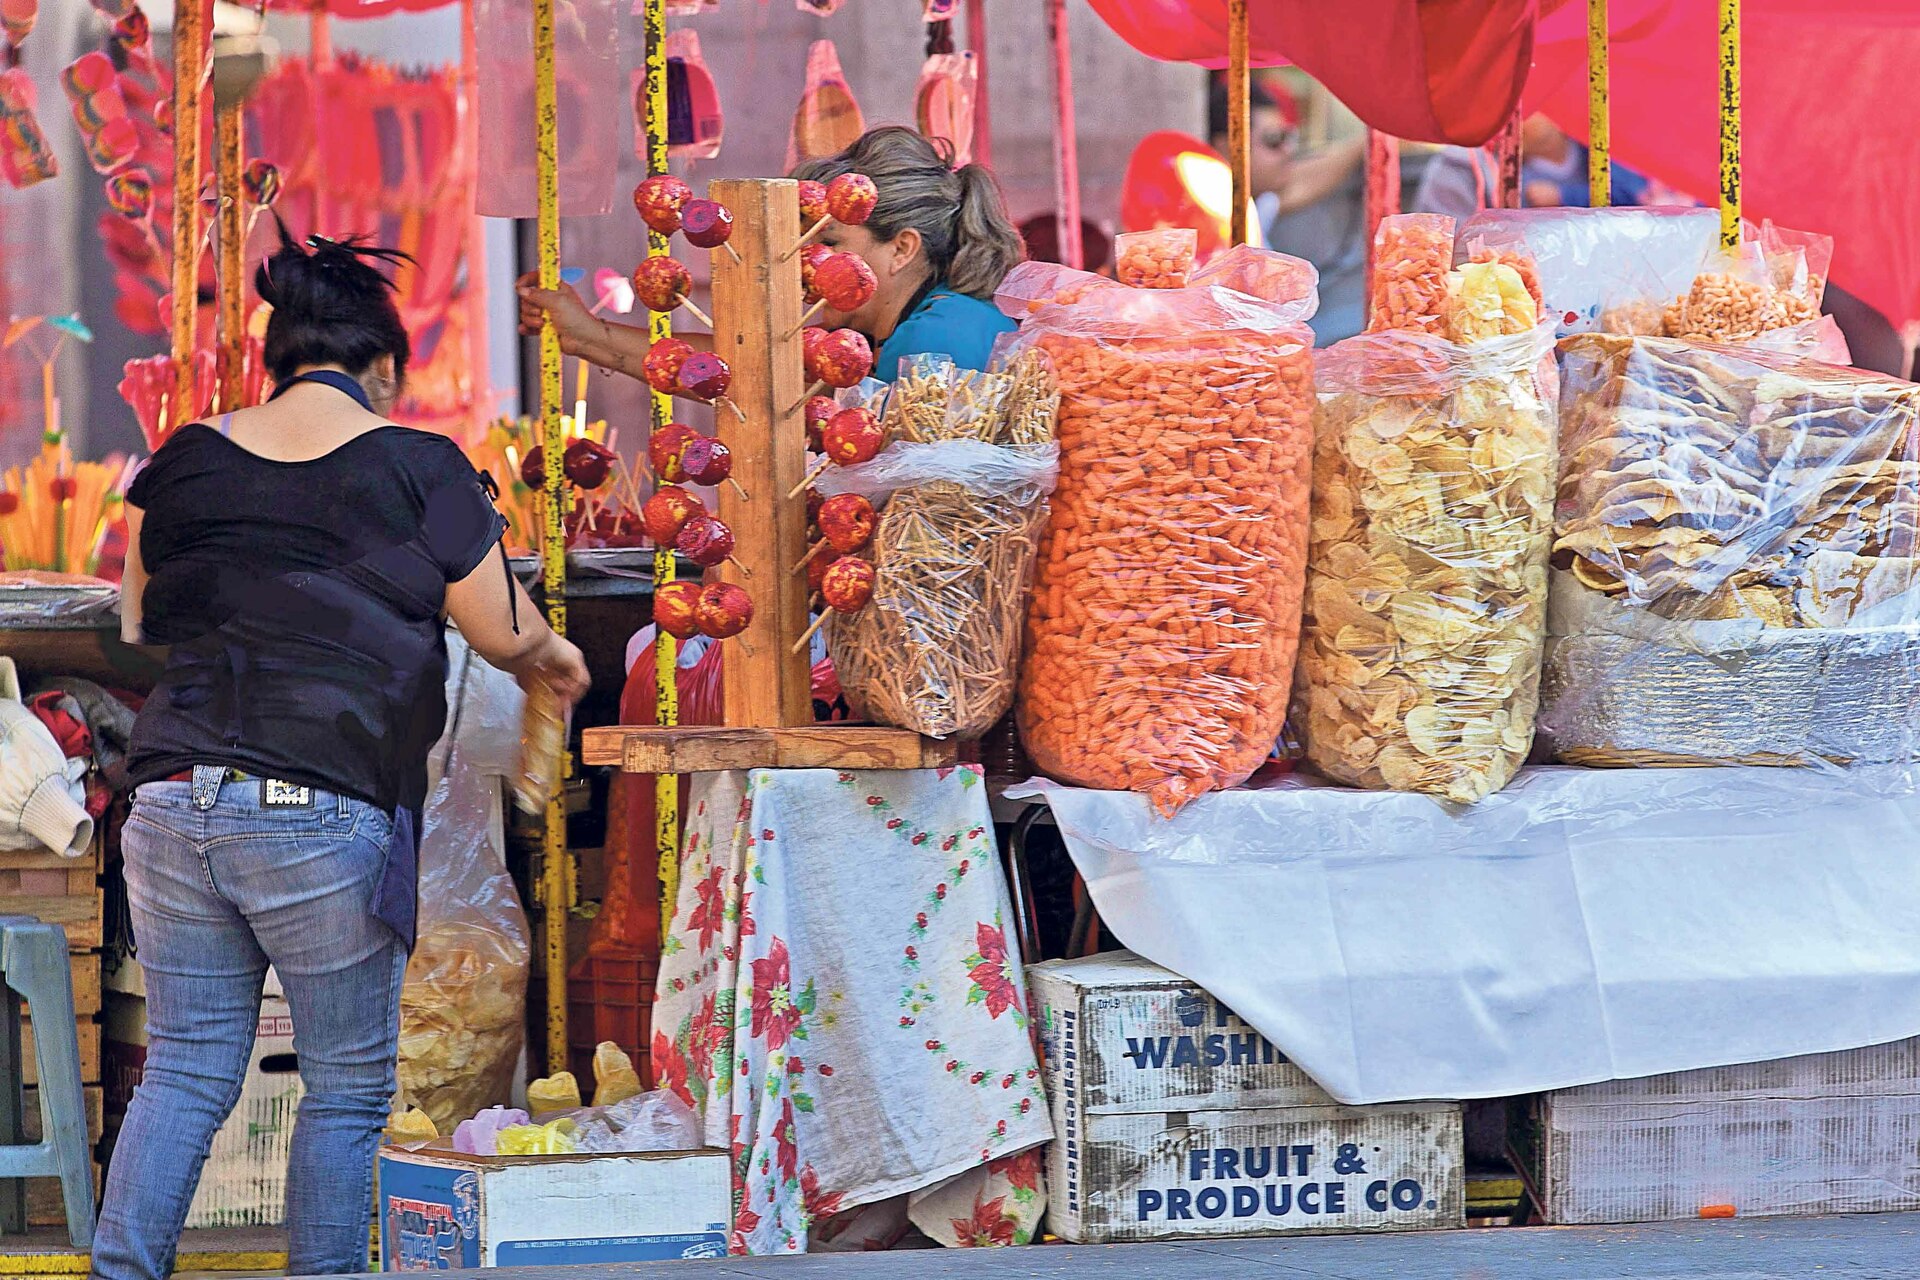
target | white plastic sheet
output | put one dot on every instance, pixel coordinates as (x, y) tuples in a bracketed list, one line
[(1582, 925), (588, 83)]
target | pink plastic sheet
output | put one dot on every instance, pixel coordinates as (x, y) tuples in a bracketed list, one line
[(591, 83)]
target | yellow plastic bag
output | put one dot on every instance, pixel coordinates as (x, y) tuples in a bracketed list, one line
[(555, 1139)]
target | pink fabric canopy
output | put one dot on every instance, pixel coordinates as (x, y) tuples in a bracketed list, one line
[(1828, 139), (1429, 70), (358, 8)]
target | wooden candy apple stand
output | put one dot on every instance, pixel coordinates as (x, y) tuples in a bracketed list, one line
[(767, 696)]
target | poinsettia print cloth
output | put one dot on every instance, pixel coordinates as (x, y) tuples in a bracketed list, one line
[(841, 998)]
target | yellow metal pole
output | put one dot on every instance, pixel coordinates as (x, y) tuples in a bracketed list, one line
[(557, 881), (1239, 85), (666, 707), (228, 156), (1599, 108), (1729, 123), (190, 51)]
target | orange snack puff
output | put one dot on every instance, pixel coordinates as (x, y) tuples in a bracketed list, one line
[(1158, 259), (1166, 604), (1412, 253)]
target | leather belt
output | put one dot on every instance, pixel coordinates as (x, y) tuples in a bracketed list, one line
[(231, 775)]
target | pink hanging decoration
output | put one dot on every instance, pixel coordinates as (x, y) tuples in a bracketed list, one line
[(17, 18), (828, 120), (25, 157), (695, 125), (93, 91), (589, 83), (943, 104)]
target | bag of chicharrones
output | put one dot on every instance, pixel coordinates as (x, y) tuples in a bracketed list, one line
[(1735, 554), (964, 485), (1663, 273), (1433, 475), (1166, 603)]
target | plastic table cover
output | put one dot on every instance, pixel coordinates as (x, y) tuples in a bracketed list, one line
[(1582, 925)]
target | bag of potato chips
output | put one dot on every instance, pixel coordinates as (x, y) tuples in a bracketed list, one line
[(1433, 479)]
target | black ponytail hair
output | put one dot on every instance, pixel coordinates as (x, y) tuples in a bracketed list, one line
[(331, 305)]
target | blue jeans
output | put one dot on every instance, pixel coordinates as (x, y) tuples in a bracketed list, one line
[(220, 888)]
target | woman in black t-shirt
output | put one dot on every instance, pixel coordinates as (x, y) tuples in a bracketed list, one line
[(300, 560)]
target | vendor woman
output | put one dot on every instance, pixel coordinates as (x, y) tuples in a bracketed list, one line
[(939, 242)]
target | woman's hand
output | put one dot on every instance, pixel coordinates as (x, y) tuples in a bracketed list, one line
[(570, 315), (562, 669)]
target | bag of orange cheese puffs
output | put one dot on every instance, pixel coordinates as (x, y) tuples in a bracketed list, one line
[(1166, 604)]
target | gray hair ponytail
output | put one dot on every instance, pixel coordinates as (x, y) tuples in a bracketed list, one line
[(970, 243)]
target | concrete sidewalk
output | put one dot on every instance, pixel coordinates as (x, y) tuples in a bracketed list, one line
[(1865, 1247)]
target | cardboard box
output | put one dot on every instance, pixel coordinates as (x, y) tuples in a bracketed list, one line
[(243, 1183), (441, 1211), (1821, 1134), (86, 1034), (1173, 1119), (123, 974)]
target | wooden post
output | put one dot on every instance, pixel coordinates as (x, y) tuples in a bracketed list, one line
[(1507, 152), (756, 299), (982, 113), (666, 650), (231, 234), (557, 881), (1239, 144), (1066, 146), (1729, 123), (191, 49), (1599, 113)]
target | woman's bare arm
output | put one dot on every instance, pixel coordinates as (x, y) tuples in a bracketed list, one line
[(599, 341), (133, 580)]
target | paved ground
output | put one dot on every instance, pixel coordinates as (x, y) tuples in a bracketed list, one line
[(1867, 1247)]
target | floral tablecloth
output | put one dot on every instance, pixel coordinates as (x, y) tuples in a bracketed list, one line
[(841, 998)]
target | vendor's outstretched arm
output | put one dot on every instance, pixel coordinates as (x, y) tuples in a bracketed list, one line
[(598, 341), (1313, 178)]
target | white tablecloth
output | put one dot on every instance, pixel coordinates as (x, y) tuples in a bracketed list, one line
[(841, 998), (1579, 926)]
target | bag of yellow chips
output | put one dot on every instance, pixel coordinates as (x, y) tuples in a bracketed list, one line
[(1433, 483), (463, 1010)]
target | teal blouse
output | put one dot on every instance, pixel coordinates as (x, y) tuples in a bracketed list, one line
[(944, 323)]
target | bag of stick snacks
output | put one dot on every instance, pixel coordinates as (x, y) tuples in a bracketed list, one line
[(965, 480)]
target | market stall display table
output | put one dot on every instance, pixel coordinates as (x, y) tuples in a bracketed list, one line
[(1580, 926), (842, 997)]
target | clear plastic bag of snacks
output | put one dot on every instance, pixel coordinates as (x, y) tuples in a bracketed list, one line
[(1432, 511), (965, 484), (1167, 600), (1739, 576)]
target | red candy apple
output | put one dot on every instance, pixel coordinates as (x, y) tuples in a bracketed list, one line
[(851, 198), (660, 200), (667, 512), (705, 376), (843, 359), (706, 461), (588, 463), (707, 224), (819, 411), (663, 362), (813, 203), (724, 610), (846, 521), (853, 436), (810, 259), (845, 281), (705, 540), (664, 447), (848, 584), (674, 606), (662, 283)]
